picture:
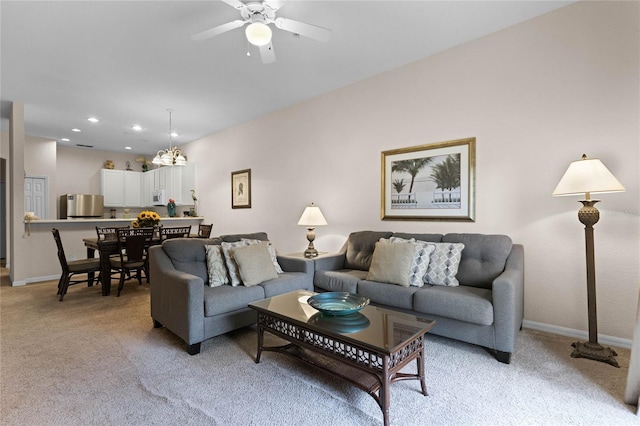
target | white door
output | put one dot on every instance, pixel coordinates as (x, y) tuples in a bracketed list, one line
[(35, 196)]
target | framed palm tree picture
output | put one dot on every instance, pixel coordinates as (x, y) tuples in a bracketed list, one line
[(430, 182)]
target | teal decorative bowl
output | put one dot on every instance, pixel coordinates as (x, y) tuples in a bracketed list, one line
[(337, 303)]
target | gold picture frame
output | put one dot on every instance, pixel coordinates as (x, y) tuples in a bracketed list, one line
[(430, 182), (241, 189)]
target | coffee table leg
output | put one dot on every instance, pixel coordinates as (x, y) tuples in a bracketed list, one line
[(260, 339), (420, 360), (385, 397)]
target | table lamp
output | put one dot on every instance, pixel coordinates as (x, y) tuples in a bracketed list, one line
[(587, 176), (311, 217)]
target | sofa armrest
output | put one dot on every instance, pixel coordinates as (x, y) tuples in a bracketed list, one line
[(296, 264), (177, 298), (508, 300), (330, 262)]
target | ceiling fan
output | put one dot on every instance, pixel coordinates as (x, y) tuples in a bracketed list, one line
[(259, 14)]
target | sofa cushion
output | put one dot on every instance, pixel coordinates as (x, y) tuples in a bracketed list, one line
[(343, 280), (224, 299), (217, 271), (232, 238), (463, 303), (254, 263), (391, 263), (360, 246), (388, 295), (284, 283), (188, 255), (432, 238), (444, 263), (484, 257), (421, 257)]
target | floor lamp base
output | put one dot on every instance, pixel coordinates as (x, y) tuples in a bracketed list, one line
[(595, 352)]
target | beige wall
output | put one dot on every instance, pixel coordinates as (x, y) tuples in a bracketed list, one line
[(536, 96)]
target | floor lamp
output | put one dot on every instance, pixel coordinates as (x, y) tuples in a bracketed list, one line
[(587, 176)]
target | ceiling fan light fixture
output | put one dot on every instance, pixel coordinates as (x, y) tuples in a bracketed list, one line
[(258, 34)]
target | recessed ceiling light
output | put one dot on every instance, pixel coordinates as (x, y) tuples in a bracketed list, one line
[(136, 127), (93, 119), (65, 140), (127, 147), (174, 135), (76, 130)]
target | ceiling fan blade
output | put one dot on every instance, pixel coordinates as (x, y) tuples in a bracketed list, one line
[(218, 30), (307, 30), (274, 4), (267, 53), (236, 4)]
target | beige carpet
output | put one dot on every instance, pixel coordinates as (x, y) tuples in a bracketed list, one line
[(94, 360)]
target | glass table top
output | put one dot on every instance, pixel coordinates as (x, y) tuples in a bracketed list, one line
[(382, 329)]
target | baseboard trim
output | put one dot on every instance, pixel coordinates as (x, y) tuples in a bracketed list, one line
[(579, 334), (34, 280)]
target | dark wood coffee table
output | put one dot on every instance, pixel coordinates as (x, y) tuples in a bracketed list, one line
[(371, 346)]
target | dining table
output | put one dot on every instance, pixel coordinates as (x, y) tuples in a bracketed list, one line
[(106, 248)]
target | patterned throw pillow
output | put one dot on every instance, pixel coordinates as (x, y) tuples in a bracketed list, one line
[(272, 252), (421, 257), (444, 263), (232, 266), (215, 266)]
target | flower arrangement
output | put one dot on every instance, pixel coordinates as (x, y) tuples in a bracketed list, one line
[(146, 218)]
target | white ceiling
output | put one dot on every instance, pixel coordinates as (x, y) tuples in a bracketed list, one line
[(126, 62)]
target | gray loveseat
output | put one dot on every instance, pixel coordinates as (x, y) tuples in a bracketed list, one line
[(183, 302), (486, 309)]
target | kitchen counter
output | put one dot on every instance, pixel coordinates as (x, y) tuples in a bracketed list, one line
[(40, 243), (103, 220)]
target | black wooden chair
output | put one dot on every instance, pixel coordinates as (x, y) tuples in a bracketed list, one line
[(204, 231), (133, 248), (72, 268), (167, 233), (108, 233)]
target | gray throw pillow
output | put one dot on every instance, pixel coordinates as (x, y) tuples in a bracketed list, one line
[(272, 252), (391, 263), (421, 256), (254, 264)]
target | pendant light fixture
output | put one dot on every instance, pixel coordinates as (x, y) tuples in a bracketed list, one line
[(171, 156)]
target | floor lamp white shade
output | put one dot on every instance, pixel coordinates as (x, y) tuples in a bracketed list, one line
[(311, 217), (589, 176)]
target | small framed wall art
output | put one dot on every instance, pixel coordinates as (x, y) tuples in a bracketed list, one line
[(430, 182), (241, 189)]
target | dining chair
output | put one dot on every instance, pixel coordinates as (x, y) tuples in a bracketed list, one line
[(108, 233), (72, 268), (204, 231), (167, 233), (133, 249)]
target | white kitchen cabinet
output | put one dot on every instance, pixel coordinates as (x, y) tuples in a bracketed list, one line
[(132, 189), (120, 188), (124, 188), (148, 187)]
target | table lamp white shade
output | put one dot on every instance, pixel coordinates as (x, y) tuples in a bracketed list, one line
[(587, 176), (312, 216)]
